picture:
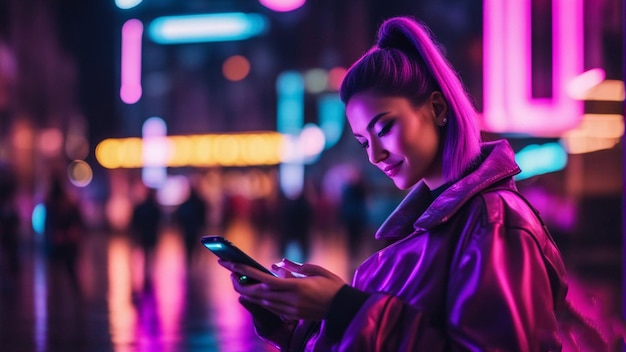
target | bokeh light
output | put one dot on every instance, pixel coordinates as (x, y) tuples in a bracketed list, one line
[(282, 5), (174, 191), (76, 146), (115, 153), (235, 149), (50, 141), (335, 77), (236, 68), (39, 218), (312, 141), (127, 4), (537, 159), (79, 173), (130, 89), (206, 27), (315, 80)]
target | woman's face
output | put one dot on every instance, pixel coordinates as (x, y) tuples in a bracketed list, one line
[(400, 139)]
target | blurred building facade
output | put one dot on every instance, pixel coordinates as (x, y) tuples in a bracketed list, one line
[(60, 82)]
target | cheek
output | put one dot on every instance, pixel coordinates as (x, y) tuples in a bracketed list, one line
[(422, 148), (406, 144)]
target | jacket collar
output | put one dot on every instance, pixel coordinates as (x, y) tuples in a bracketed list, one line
[(497, 164)]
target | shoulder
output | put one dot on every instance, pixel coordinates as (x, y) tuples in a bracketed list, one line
[(507, 206), (508, 210)]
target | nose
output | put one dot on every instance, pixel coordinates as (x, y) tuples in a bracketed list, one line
[(376, 152)]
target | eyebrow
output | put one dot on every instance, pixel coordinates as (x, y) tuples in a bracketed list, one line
[(375, 119)]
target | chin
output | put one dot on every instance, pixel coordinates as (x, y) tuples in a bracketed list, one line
[(402, 184)]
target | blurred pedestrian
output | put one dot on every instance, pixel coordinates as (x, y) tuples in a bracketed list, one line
[(191, 217), (354, 212), (9, 230), (145, 226), (296, 217), (64, 228)]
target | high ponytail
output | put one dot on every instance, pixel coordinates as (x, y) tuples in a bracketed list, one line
[(406, 61)]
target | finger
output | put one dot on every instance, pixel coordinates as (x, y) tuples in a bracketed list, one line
[(270, 282), (262, 292), (281, 272), (289, 265), (313, 270), (303, 269), (246, 280), (259, 311), (286, 265), (242, 271), (277, 307), (226, 264), (249, 271), (242, 283)]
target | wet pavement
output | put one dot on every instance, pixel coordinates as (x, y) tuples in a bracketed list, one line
[(119, 304)]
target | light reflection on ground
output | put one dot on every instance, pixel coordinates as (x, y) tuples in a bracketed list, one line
[(124, 306)]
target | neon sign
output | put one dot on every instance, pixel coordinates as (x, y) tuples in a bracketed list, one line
[(508, 102)]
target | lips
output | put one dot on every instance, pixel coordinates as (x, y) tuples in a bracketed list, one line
[(392, 170)]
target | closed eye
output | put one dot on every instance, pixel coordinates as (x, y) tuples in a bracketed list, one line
[(385, 129), (364, 144)]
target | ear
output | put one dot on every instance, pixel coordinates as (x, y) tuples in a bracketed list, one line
[(439, 106)]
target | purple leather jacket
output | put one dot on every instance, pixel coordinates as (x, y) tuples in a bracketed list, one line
[(473, 270)]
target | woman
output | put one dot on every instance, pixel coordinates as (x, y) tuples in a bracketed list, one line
[(470, 267)]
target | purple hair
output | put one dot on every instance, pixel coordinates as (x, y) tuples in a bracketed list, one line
[(406, 61)]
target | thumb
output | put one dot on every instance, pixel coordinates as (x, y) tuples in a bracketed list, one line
[(305, 269)]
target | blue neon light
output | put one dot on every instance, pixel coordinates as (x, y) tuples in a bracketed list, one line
[(332, 118), (38, 218), (540, 159), (290, 91), (127, 4), (206, 28)]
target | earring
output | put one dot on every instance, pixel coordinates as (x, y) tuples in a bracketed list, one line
[(444, 121)]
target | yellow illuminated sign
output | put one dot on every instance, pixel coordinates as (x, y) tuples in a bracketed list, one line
[(234, 149)]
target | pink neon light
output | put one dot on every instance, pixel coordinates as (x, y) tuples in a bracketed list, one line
[(580, 86), (130, 89), (282, 5), (508, 104), (155, 144)]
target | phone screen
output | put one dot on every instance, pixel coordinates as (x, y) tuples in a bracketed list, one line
[(228, 251)]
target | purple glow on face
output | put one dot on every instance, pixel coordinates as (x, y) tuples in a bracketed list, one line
[(508, 102), (282, 5), (130, 89)]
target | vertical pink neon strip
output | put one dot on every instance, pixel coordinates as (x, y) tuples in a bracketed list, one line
[(130, 89), (494, 111), (508, 104)]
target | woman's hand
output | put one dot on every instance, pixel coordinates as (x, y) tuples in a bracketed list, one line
[(300, 292)]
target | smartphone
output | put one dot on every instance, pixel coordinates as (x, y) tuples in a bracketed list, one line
[(228, 251)]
